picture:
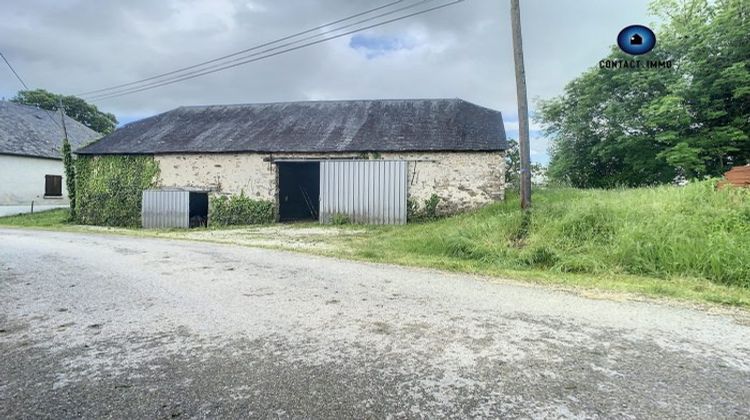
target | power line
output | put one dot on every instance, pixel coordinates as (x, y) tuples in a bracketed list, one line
[(158, 76), (277, 47), (224, 67), (14, 71), (268, 50), (26, 87)]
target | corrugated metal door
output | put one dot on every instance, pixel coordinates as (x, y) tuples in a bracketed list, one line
[(371, 192), (165, 209)]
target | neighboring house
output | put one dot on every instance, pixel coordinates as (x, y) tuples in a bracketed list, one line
[(303, 156), (31, 169)]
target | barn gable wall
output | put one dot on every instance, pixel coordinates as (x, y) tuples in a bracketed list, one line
[(463, 180)]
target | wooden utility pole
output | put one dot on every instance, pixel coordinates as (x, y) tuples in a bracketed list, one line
[(523, 105), (62, 117)]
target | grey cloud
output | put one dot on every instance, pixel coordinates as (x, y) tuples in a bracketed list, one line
[(463, 51)]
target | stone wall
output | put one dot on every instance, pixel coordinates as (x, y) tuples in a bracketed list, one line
[(462, 180), (228, 173)]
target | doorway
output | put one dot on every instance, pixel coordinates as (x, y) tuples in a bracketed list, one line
[(198, 209), (299, 191)]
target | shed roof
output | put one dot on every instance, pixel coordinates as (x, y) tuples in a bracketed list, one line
[(322, 126), (29, 131)]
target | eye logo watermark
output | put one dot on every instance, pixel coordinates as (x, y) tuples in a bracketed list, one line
[(636, 40)]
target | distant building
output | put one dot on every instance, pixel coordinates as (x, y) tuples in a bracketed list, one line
[(31, 169), (312, 159)]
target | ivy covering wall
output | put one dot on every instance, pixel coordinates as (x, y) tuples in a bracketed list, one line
[(108, 188)]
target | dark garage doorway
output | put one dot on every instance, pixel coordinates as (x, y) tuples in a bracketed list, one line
[(299, 191), (198, 209)]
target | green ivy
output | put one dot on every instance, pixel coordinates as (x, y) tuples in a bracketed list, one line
[(70, 176), (240, 210), (109, 188)]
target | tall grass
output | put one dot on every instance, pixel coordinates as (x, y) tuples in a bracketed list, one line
[(689, 232)]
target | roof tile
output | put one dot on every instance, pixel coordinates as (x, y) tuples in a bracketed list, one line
[(29, 131), (323, 126)]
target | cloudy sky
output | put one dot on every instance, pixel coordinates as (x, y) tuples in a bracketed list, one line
[(464, 51)]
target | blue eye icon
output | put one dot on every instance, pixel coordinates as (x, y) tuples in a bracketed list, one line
[(636, 40)]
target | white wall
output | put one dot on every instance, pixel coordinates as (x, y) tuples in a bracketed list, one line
[(22, 181)]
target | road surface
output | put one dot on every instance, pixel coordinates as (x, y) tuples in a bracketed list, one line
[(121, 327)]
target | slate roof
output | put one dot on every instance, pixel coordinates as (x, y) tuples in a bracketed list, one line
[(28, 131), (323, 126)]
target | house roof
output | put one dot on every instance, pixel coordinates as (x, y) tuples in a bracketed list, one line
[(323, 126), (29, 131)]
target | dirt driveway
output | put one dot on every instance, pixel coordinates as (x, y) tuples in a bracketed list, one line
[(114, 327)]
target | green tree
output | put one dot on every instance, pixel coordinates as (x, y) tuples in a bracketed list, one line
[(76, 108), (641, 126)]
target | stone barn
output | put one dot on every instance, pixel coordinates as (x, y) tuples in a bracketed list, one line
[(364, 158)]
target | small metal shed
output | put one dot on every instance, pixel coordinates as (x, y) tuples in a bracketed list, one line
[(174, 208)]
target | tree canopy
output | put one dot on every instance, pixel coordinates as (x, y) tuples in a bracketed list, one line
[(644, 126), (76, 108)]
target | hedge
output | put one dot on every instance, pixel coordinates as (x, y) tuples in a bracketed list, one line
[(239, 210)]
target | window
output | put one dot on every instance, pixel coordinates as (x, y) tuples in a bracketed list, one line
[(52, 186)]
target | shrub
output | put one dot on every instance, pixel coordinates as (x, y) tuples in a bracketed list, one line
[(426, 213), (412, 210), (239, 210), (430, 207), (109, 188)]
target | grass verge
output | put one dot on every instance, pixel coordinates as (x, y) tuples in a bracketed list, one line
[(680, 243), (57, 218)]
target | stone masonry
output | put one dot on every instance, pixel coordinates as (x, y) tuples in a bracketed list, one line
[(462, 180)]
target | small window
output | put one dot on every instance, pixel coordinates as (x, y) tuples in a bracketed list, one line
[(52, 186)]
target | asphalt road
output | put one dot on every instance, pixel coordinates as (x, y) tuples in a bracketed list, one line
[(102, 326)]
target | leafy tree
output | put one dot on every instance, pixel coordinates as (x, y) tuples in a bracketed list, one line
[(76, 108), (642, 126)]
